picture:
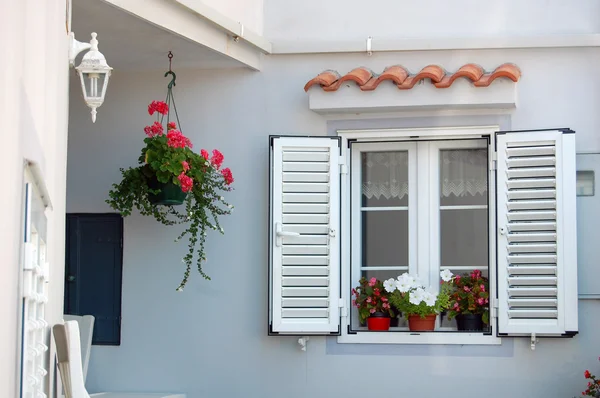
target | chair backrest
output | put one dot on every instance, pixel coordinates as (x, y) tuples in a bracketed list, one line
[(68, 352), (86, 331)]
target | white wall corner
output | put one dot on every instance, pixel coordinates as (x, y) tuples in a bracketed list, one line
[(501, 94)]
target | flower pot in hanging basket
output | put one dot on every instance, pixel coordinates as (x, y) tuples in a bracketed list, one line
[(378, 321), (418, 324), (169, 195), (470, 322)]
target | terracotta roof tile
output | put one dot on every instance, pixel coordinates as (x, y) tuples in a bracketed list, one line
[(368, 81)]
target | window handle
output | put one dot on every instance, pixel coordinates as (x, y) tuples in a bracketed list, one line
[(280, 233), (71, 278)]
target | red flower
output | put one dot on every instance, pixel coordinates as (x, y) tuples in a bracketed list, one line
[(204, 153), (185, 165), (467, 289), (217, 158), (171, 126), (457, 278), (186, 182), (154, 130), (158, 106), (482, 287), (587, 374), (372, 282), (376, 291), (227, 175), (177, 140)]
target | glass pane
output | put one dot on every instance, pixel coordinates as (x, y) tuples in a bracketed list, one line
[(384, 178), (463, 177), (383, 275), (464, 238), (384, 238), (585, 183)]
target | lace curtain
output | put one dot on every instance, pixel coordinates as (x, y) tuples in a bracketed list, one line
[(462, 172)]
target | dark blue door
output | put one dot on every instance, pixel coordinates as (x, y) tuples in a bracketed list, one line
[(94, 264)]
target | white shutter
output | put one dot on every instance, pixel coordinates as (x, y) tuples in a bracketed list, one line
[(304, 267), (537, 259)]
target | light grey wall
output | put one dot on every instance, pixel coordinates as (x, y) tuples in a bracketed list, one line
[(211, 340), (386, 19)]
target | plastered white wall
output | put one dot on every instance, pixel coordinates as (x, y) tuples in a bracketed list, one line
[(211, 340), (392, 19), (34, 106), (248, 12)]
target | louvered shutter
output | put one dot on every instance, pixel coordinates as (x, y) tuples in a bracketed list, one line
[(304, 267), (537, 259)]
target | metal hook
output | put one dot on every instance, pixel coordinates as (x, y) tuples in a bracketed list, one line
[(172, 82)]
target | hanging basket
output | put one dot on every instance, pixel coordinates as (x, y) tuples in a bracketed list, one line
[(169, 195)]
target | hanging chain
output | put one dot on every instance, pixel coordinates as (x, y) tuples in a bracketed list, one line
[(170, 98)]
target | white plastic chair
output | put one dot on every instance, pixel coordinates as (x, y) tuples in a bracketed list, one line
[(68, 352), (86, 331)]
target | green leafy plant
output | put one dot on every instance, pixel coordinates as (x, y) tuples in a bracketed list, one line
[(169, 159), (469, 294), (412, 298), (370, 297)]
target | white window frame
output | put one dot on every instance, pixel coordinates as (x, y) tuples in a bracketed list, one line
[(375, 139)]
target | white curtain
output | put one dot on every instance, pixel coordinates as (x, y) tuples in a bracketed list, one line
[(463, 172)]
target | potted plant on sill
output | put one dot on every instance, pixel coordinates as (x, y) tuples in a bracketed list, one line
[(373, 304), (419, 304), (469, 299), (170, 173)]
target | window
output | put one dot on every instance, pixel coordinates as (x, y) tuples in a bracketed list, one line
[(418, 207), (380, 203)]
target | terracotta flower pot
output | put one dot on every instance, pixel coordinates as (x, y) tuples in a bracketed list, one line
[(378, 321), (418, 324), (469, 322)]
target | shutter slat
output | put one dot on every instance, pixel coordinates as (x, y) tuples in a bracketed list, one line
[(304, 274), (305, 302), (305, 292), (305, 187), (305, 198), (306, 208), (305, 312), (306, 166), (304, 249), (532, 257), (305, 177), (304, 271)]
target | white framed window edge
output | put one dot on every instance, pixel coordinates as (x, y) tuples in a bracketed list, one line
[(446, 338)]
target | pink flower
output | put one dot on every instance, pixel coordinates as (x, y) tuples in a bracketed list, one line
[(154, 130), (227, 175), (186, 182), (204, 153), (480, 301), (171, 126), (384, 299), (456, 305), (185, 165), (158, 106), (372, 311), (354, 292), (486, 301), (354, 303), (217, 159), (386, 305), (177, 140), (372, 282), (369, 299), (467, 289), (457, 278), (482, 287)]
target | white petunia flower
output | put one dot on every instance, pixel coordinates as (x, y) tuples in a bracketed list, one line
[(446, 275), (429, 299), (390, 285), (221, 198), (416, 296)]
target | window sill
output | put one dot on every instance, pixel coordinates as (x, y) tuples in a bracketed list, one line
[(419, 338)]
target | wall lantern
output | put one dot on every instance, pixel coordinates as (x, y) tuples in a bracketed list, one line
[(93, 71)]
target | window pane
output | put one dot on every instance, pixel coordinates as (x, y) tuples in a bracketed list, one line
[(383, 275), (384, 238), (464, 238), (384, 178), (463, 177)]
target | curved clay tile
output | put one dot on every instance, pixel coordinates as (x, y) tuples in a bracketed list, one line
[(470, 71), (433, 72), (510, 71), (359, 75), (395, 73), (324, 79)]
